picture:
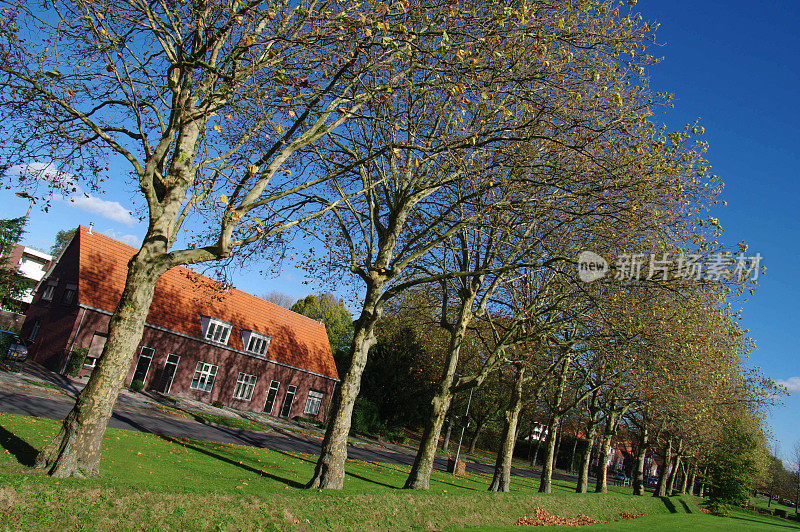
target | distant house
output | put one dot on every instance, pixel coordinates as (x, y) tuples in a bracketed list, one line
[(201, 340), (31, 264)]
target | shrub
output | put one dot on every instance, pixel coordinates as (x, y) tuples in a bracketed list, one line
[(217, 404), (365, 416), (76, 360), (5, 343), (732, 467), (137, 386), (397, 435)]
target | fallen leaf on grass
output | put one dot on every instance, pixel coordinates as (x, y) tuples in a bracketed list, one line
[(543, 518)]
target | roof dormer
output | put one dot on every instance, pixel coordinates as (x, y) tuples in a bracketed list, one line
[(255, 343), (215, 330)]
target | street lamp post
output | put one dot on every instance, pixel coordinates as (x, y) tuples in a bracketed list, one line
[(463, 427), (31, 201)]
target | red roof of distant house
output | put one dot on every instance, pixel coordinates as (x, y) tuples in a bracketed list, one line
[(182, 295)]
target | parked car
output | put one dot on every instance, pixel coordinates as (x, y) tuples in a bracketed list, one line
[(13, 350), (621, 478)]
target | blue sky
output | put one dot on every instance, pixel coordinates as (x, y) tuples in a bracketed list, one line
[(735, 65)]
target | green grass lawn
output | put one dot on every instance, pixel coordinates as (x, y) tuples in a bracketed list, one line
[(152, 483)]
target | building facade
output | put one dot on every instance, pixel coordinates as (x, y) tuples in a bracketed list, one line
[(31, 264), (202, 340)]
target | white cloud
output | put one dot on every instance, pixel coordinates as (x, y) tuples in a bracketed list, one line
[(792, 384), (62, 181), (108, 209), (131, 240)]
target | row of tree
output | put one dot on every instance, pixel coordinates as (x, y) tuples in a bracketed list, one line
[(465, 151)]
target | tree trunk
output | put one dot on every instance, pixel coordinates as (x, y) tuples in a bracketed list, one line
[(676, 462), (557, 452), (703, 482), (473, 440), (591, 433), (601, 483), (530, 442), (447, 431), (661, 487), (420, 475), (638, 477), (685, 478), (329, 471), (502, 469), (535, 458), (571, 467), (586, 460), (692, 479), (546, 479), (75, 451), (674, 469)]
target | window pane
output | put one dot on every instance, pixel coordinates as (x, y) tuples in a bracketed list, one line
[(204, 377)]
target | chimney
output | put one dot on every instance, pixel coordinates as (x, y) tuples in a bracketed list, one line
[(91, 225)]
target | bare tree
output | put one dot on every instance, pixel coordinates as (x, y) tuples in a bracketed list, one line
[(279, 298)]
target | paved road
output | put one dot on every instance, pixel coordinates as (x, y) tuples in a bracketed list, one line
[(173, 426)]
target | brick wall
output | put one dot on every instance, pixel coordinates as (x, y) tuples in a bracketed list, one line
[(229, 365)]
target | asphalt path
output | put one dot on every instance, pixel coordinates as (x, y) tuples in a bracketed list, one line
[(277, 439)]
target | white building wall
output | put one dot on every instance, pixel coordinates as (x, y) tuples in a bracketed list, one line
[(32, 266)]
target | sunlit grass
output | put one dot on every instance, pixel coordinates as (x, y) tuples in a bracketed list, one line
[(150, 482)]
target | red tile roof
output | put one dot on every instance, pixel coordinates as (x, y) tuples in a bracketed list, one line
[(182, 295)]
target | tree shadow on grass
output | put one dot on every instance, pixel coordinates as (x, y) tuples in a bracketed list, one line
[(669, 504), (764, 523), (22, 450), (292, 455), (256, 471), (685, 506), (371, 481), (189, 445)]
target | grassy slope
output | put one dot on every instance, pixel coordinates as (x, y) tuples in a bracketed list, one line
[(154, 483)]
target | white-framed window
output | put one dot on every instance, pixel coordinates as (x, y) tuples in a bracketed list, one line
[(313, 402), (218, 331), (245, 384), (69, 294), (204, 375), (257, 344), (47, 295), (34, 330)]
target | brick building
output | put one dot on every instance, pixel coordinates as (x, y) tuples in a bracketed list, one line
[(201, 340)]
